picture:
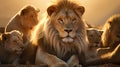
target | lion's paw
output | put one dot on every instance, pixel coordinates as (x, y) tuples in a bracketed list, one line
[(60, 64)]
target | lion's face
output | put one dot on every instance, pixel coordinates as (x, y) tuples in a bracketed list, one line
[(114, 29), (30, 17), (13, 42), (111, 34), (67, 23), (94, 36)]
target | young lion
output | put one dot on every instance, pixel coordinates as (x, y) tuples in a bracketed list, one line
[(24, 21), (110, 42), (11, 47), (63, 36), (94, 38)]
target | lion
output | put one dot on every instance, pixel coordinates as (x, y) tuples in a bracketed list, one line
[(11, 47), (110, 41), (24, 21), (61, 35), (110, 36), (94, 38)]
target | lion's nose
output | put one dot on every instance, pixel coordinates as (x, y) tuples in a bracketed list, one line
[(68, 30)]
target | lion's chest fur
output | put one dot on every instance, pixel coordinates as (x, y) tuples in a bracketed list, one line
[(60, 49)]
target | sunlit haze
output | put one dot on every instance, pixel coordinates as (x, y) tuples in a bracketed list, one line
[(97, 11)]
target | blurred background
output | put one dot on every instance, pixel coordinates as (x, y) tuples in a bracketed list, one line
[(97, 11)]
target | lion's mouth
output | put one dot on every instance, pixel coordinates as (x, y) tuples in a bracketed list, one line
[(67, 39)]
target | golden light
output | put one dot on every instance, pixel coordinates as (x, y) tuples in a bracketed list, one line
[(97, 11), (39, 27)]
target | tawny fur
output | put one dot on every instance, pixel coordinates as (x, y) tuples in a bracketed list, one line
[(24, 21), (94, 38), (110, 42), (110, 37), (11, 47), (61, 34)]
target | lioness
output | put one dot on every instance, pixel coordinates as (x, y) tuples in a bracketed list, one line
[(109, 52), (24, 21)]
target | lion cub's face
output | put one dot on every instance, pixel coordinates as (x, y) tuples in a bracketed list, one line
[(67, 23), (30, 17), (94, 36), (14, 42)]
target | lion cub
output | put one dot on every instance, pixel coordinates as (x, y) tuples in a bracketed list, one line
[(24, 21), (11, 47)]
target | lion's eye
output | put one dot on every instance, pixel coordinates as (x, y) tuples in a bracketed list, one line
[(60, 20), (74, 20)]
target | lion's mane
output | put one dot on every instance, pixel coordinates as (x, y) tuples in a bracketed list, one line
[(47, 30)]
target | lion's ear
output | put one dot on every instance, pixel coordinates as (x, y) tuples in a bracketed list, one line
[(24, 11), (37, 10), (5, 36), (101, 31), (81, 9), (51, 9), (110, 22)]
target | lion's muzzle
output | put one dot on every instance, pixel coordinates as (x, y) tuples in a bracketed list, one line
[(67, 40)]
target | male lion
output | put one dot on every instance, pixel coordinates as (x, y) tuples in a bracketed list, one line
[(24, 21), (11, 47), (62, 41), (110, 42)]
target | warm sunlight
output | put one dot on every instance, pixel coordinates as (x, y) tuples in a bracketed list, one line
[(99, 10), (38, 27), (59, 33)]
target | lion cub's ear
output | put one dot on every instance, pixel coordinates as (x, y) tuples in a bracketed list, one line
[(37, 10), (5, 36), (24, 11), (81, 10), (51, 9)]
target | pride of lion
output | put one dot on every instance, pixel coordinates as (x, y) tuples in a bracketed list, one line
[(110, 50), (60, 38)]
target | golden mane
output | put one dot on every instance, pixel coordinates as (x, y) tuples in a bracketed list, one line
[(47, 30), (66, 4)]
